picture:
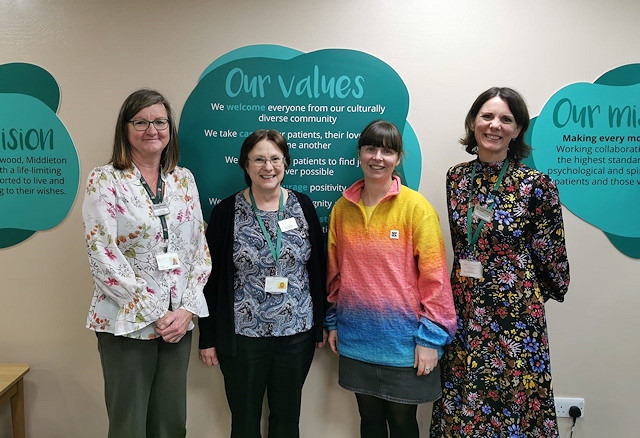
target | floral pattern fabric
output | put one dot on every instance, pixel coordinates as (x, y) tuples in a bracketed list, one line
[(496, 373), (123, 238)]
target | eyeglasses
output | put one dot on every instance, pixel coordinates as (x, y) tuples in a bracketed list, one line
[(261, 161), (143, 125)]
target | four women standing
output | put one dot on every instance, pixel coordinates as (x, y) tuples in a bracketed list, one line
[(391, 309)]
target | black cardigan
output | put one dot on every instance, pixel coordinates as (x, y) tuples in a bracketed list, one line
[(218, 329)]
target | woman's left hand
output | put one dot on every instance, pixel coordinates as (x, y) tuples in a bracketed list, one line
[(173, 325), (426, 359), (325, 336)]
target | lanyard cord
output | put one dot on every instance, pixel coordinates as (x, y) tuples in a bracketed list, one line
[(275, 252), (472, 239), (157, 199)]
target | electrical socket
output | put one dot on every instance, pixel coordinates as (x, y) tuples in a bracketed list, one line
[(564, 404)]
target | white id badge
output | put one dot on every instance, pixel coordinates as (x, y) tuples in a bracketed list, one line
[(161, 209), (483, 213), (167, 261), (470, 268), (276, 285), (288, 224)]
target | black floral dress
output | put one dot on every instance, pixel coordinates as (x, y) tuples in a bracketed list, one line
[(496, 374)]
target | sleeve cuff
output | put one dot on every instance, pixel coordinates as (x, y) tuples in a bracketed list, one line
[(331, 319), (431, 335)]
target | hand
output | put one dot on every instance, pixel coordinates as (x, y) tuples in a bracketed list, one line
[(325, 335), (426, 359), (173, 325), (208, 356), (333, 341)]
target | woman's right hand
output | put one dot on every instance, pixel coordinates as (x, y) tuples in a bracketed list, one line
[(333, 341), (208, 356)]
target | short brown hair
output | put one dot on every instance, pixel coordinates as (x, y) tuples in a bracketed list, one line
[(253, 139)]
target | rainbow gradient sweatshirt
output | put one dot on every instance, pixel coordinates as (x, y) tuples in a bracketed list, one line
[(387, 279)]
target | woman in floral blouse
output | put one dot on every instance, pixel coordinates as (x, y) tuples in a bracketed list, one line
[(509, 259), (150, 261)]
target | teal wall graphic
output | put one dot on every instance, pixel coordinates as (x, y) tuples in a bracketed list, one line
[(39, 166), (587, 138), (320, 101)]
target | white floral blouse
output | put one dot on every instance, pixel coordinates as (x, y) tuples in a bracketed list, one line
[(123, 238)]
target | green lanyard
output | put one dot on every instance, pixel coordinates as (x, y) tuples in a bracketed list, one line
[(157, 199), (275, 252), (473, 239)]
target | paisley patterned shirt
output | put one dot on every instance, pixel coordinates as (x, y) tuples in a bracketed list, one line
[(259, 313), (123, 238)]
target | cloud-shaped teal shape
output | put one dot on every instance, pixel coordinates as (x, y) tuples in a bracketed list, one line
[(329, 95), (39, 166), (30, 80), (586, 138)]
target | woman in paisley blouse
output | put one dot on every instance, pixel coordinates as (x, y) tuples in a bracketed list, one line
[(266, 293), (150, 262), (509, 259)]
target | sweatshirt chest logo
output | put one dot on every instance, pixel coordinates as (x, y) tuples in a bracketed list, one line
[(394, 234)]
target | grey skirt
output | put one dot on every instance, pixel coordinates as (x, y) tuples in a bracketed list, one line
[(396, 384)]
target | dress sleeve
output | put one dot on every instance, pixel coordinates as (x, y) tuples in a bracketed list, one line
[(548, 246), (113, 274)]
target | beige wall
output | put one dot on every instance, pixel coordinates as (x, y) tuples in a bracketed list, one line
[(446, 52)]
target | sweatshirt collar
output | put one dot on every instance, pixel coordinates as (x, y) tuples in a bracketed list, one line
[(353, 193)]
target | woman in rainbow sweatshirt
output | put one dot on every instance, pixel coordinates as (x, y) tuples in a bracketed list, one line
[(391, 308)]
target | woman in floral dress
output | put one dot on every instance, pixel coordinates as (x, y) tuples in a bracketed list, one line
[(509, 259)]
